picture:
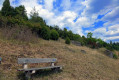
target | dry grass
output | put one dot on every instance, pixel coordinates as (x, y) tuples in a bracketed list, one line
[(77, 65), (20, 33)]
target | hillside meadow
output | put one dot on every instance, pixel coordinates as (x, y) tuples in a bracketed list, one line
[(92, 65)]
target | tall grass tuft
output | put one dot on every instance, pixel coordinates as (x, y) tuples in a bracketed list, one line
[(20, 33)]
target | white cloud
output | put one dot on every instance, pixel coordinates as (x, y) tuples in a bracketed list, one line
[(100, 30), (49, 4), (112, 38), (66, 4), (114, 29), (84, 22), (112, 17)]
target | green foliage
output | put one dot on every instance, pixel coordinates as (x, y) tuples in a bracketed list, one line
[(109, 47), (21, 12), (64, 34), (100, 43), (45, 33), (70, 35), (91, 42), (115, 56), (76, 37), (67, 41), (115, 46), (84, 40), (35, 18), (34, 15), (89, 35), (54, 35), (7, 10)]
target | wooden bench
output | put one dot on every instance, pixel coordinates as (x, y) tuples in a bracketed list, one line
[(29, 71)]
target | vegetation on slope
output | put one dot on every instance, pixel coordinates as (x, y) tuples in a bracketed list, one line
[(11, 16)]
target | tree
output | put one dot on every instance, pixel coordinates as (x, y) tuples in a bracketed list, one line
[(64, 35), (56, 28), (7, 10), (54, 35), (45, 33), (110, 42), (99, 43), (34, 17), (21, 11), (76, 37), (89, 35), (70, 35), (67, 41)]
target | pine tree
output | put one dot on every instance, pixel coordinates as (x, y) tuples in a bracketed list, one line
[(7, 10), (34, 15)]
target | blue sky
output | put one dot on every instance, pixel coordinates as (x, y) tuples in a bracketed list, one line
[(101, 17)]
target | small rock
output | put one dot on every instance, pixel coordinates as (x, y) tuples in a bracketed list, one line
[(109, 53), (83, 51), (77, 43)]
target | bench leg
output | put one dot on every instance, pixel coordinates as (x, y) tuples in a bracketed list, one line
[(28, 75)]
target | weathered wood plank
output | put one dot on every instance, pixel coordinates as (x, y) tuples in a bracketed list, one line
[(31, 69), (36, 60)]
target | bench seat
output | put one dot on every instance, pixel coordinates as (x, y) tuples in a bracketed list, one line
[(31, 69)]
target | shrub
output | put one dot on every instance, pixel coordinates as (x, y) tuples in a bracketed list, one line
[(45, 33), (67, 41), (115, 56), (54, 35), (109, 48)]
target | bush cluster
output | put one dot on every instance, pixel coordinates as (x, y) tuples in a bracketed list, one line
[(54, 35), (67, 41), (115, 56), (45, 33)]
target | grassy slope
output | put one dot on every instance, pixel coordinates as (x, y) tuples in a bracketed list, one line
[(77, 66)]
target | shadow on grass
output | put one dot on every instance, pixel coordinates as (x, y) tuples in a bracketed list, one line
[(21, 75), (38, 74)]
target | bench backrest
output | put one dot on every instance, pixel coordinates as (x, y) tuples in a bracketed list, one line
[(36, 60)]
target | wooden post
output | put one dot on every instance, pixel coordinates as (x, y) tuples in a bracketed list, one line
[(25, 66), (60, 68), (33, 71), (52, 64)]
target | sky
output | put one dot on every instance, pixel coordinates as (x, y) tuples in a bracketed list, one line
[(101, 17)]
